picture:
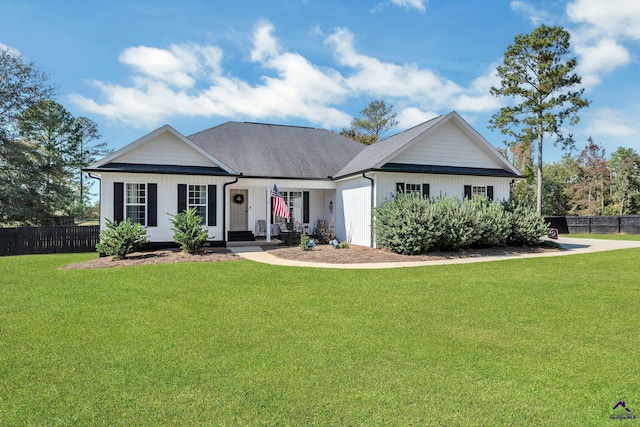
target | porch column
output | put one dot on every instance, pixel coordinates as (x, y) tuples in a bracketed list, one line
[(268, 219)]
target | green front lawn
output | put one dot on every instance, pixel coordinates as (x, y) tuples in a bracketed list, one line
[(543, 341), (604, 236)]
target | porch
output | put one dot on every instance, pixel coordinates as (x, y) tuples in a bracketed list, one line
[(249, 208)]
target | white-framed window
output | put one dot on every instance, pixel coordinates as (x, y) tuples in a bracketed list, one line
[(294, 200), (136, 203), (479, 192), (197, 198), (419, 190), (413, 189)]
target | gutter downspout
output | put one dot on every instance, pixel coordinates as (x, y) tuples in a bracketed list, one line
[(372, 205), (224, 210), (92, 176)]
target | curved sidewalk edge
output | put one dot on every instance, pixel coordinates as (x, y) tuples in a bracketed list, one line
[(571, 246)]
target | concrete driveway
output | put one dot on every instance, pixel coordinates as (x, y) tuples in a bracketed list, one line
[(572, 246)]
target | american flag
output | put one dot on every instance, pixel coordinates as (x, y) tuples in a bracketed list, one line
[(280, 208)]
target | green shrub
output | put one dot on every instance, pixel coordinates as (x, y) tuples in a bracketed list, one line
[(458, 223), (121, 238), (409, 225), (526, 226), (188, 231), (306, 244), (343, 245), (496, 223), (406, 225)]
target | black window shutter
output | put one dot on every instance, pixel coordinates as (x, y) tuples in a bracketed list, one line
[(152, 205), (425, 191), (182, 198), (490, 192), (212, 213), (118, 201), (305, 207), (467, 191), (399, 187)]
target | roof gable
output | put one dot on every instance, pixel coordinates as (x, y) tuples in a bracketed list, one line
[(448, 145), (446, 140), (164, 146)]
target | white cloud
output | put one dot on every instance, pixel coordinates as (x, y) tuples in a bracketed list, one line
[(385, 79), (603, 27), (478, 97), (412, 116), (617, 18), (600, 58), (179, 66), (264, 44), (608, 122), (536, 15), (420, 5), (165, 86), (189, 80)]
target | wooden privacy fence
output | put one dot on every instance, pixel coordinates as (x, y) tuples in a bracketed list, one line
[(49, 240), (628, 224)]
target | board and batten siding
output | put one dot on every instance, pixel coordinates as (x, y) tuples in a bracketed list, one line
[(165, 149), (440, 185), (167, 200), (447, 146), (353, 211)]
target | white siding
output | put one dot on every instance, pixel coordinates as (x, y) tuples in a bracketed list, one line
[(165, 149), (167, 200), (353, 211), (447, 146), (440, 185)]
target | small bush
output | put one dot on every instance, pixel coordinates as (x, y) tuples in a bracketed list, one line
[(306, 244), (343, 245), (325, 234), (119, 239), (188, 231)]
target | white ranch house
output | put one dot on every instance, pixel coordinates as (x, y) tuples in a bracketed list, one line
[(227, 173)]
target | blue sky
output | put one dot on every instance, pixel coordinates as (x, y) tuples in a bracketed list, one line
[(132, 66)]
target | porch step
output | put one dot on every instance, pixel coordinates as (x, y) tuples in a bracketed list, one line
[(241, 236)]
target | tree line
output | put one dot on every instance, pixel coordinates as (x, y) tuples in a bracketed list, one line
[(43, 149), (587, 182)]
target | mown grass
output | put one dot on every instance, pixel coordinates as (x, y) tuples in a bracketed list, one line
[(546, 341), (604, 236)]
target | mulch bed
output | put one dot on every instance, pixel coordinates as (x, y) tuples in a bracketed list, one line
[(361, 254), (163, 256), (321, 253)]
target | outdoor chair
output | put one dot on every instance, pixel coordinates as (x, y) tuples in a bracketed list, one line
[(262, 227)]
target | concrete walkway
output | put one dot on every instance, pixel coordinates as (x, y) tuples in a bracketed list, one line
[(572, 246)]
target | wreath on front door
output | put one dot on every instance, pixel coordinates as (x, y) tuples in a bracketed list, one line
[(238, 199)]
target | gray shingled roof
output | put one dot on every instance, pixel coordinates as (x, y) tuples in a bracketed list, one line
[(266, 150), (376, 153)]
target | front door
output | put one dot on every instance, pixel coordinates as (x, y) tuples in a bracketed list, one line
[(238, 210)]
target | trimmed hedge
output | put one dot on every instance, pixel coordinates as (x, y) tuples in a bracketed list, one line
[(410, 225)]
